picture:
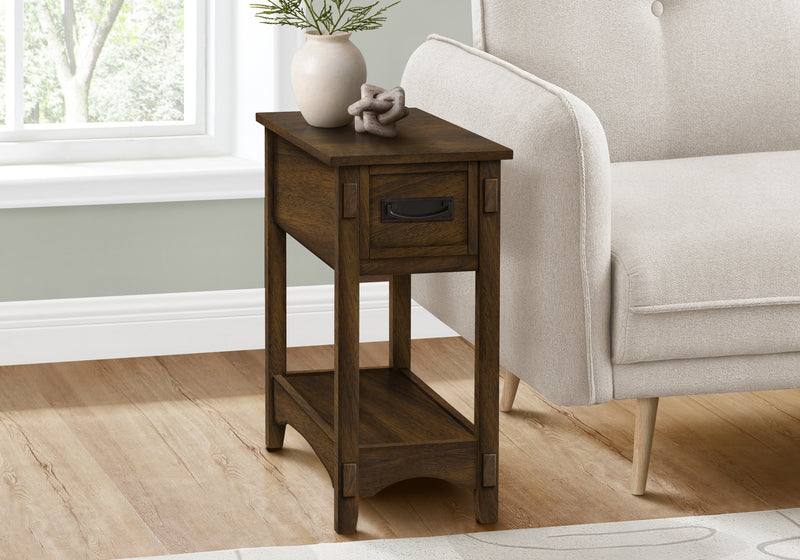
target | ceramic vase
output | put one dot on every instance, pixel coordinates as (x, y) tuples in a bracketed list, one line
[(327, 73)]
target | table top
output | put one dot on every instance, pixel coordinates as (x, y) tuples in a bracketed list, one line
[(421, 138)]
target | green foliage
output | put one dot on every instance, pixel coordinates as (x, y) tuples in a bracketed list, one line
[(139, 75), (44, 102), (301, 13)]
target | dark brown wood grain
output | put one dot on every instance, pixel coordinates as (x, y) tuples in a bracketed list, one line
[(394, 408), (420, 252), (294, 410), (400, 321), (382, 465), (350, 480), (489, 470), (377, 278), (487, 359), (275, 293), (456, 166), (350, 200), (473, 201), (421, 138), (286, 388), (404, 431), (442, 403), (418, 265), (451, 233), (305, 195), (345, 378), (363, 213), (374, 427), (491, 195)]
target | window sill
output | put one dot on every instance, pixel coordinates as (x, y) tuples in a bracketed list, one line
[(130, 182)]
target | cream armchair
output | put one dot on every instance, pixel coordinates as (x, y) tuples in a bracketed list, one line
[(651, 214)]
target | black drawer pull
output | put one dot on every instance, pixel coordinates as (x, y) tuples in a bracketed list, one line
[(435, 209)]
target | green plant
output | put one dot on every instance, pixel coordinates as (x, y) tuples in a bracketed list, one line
[(301, 13)]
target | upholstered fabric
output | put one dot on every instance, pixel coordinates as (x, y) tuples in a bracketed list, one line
[(700, 376), (704, 77), (706, 250), (706, 257), (555, 235)]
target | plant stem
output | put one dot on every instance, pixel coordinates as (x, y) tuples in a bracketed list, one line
[(342, 12), (302, 14), (314, 16)]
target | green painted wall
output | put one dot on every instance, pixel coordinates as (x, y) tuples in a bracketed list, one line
[(387, 49), (126, 249), (87, 251)]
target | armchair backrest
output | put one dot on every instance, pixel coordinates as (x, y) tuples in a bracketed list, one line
[(667, 78)]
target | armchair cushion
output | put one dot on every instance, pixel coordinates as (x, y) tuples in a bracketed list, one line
[(706, 257)]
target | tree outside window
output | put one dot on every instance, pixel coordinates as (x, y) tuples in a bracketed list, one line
[(101, 61)]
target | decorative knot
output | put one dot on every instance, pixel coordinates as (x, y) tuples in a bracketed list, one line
[(378, 110)]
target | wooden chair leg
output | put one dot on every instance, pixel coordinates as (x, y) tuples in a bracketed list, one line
[(643, 442), (510, 384)]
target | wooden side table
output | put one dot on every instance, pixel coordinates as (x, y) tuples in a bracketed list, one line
[(426, 201)]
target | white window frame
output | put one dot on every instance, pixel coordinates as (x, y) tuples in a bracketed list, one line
[(207, 132)]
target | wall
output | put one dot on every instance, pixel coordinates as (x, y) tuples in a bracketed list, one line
[(84, 251), (128, 249), (387, 49)]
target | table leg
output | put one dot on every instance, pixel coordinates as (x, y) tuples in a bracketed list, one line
[(346, 382), (400, 321), (275, 288), (487, 360)]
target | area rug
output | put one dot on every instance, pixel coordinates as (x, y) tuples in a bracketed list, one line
[(740, 536)]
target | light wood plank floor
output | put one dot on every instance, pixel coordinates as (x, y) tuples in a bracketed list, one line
[(163, 455)]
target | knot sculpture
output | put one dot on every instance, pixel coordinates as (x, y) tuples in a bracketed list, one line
[(378, 110)]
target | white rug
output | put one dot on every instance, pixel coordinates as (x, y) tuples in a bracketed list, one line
[(740, 536)]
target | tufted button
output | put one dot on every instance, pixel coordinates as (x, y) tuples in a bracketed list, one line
[(658, 8)]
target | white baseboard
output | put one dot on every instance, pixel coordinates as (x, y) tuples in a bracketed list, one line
[(153, 325)]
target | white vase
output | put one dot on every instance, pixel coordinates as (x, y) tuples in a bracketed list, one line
[(327, 73)]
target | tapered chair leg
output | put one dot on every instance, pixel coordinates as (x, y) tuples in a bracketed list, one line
[(510, 384), (646, 410)]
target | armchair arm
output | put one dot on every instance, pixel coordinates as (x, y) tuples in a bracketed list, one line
[(556, 219)]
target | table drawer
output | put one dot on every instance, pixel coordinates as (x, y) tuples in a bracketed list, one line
[(421, 210)]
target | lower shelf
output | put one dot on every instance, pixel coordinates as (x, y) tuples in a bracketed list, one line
[(405, 429)]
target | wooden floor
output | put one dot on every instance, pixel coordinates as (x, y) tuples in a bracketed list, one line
[(165, 455)]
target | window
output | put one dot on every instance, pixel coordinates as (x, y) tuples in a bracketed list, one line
[(3, 27), (73, 72)]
